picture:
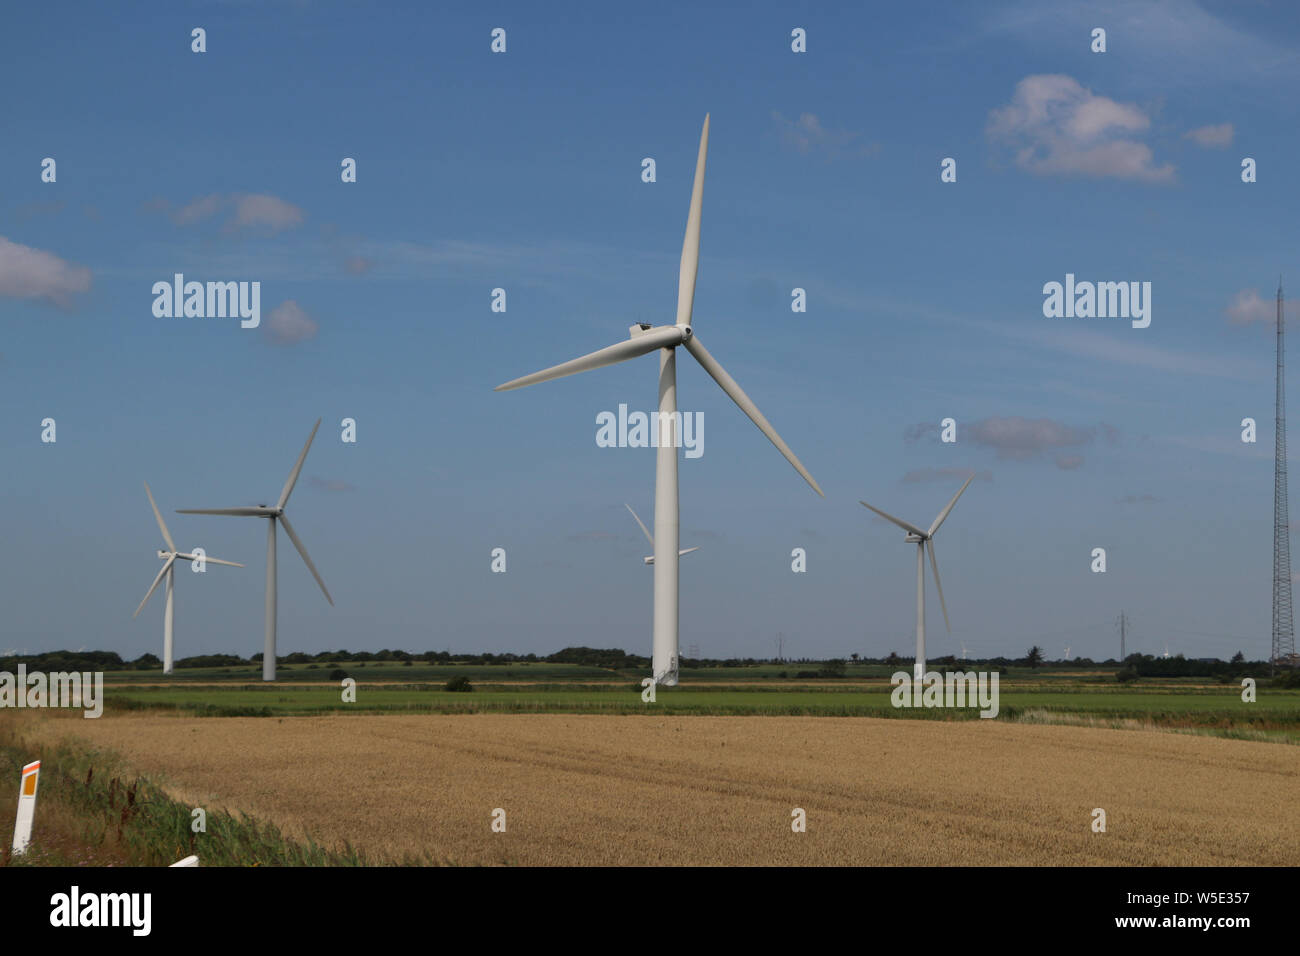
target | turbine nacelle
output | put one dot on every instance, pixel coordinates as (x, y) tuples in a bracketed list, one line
[(914, 538)]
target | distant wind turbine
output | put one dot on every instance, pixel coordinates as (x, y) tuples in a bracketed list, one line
[(921, 538), (273, 515), (650, 559), (665, 340), (169, 558)]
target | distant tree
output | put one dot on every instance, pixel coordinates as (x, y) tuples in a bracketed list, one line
[(833, 668), (338, 673), (893, 658), (1238, 658), (854, 657), (458, 683), (1127, 675), (1035, 656)]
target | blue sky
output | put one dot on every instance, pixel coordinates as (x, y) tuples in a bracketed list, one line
[(522, 171)]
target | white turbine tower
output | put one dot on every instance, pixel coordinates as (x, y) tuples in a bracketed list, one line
[(664, 340), (650, 559), (920, 538), (169, 559), (1067, 652), (274, 515)]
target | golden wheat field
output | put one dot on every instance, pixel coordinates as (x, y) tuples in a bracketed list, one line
[(720, 790)]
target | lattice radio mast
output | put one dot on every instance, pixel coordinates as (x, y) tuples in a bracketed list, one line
[(1283, 622)]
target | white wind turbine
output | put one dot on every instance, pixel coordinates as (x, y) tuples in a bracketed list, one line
[(169, 559), (273, 515), (920, 538), (664, 340), (650, 559)]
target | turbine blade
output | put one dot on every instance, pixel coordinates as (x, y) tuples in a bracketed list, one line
[(619, 352), (688, 551), (243, 512), (691, 244), (737, 395), (934, 566), (171, 545), (230, 564), (293, 475), (898, 521), (644, 529), (944, 513), (153, 587), (297, 543)]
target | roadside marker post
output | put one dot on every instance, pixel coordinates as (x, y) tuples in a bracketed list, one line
[(26, 807)]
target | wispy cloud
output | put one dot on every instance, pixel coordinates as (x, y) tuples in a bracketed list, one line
[(247, 212), (1211, 137), (1013, 438), (27, 273), (264, 212), (357, 265), (1056, 126), (807, 135), (38, 209), (1171, 43), (1125, 351)]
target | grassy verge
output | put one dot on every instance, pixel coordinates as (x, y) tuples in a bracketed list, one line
[(91, 811)]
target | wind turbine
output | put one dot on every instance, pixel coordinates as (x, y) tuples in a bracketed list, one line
[(1067, 652), (650, 559), (169, 558), (920, 538), (664, 339), (274, 514)]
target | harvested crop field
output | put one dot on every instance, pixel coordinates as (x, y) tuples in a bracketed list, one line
[(598, 789)]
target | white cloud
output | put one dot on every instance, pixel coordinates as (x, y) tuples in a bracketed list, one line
[(358, 265), (289, 324), (1211, 137), (262, 211), (250, 212), (1247, 308), (1057, 126), (196, 211), (27, 273), (808, 135)]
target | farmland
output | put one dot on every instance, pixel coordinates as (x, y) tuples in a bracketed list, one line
[(600, 789), (1190, 705), (587, 772)]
